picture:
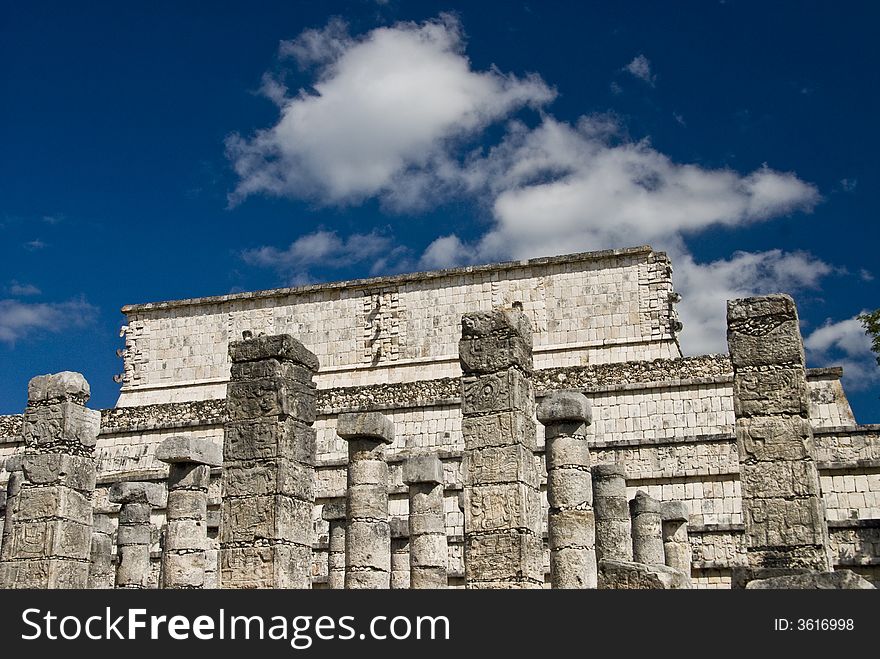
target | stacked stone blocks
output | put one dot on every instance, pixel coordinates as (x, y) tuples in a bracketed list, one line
[(503, 545), (48, 522), (266, 529), (427, 522)]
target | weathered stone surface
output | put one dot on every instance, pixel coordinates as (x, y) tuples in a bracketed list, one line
[(333, 510), (777, 522), (498, 322), (626, 575), (510, 557), (764, 331), (270, 397), (336, 545), (66, 385), (500, 465), (266, 566), (611, 509), (565, 407), (265, 438), (428, 551), (101, 571), (54, 501), (838, 580), (501, 429), (63, 422), (281, 347), (676, 542), (647, 532), (74, 471), (188, 476), (502, 507), (423, 469), (138, 492), (771, 439), (504, 391), (267, 477), (365, 425), (771, 392), (494, 353), (265, 518), (190, 449), (674, 511)]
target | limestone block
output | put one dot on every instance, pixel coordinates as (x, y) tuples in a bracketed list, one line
[(267, 477), (333, 510), (565, 407), (498, 322), (368, 545), (507, 556), (573, 568), (50, 539), (674, 511), (275, 566), (423, 469), (368, 472), (65, 421), (503, 506), (281, 347), (52, 501), (44, 573), (503, 464), (489, 354), (626, 575), (135, 513), (76, 472), (186, 534), (765, 439), (184, 570), (66, 385), (271, 368), (771, 392), (367, 502), (569, 488), (501, 429), (399, 528), (783, 479), (647, 531), (783, 522), (189, 476), (572, 529), (429, 550), (253, 518), (270, 397), (258, 439), (837, 580), (764, 331), (365, 425), (504, 391), (190, 450), (138, 492)]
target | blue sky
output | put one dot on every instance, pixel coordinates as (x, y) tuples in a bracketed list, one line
[(156, 151)]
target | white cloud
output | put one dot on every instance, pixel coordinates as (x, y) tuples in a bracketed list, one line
[(19, 319), (22, 290), (705, 288), (640, 67), (389, 105), (844, 343), (325, 249), (34, 245)]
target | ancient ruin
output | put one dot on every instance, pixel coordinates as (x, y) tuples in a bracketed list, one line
[(519, 425)]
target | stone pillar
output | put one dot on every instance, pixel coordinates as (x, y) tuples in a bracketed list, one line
[(133, 535), (783, 512), (400, 577), (676, 543), (429, 555), (570, 523), (647, 530), (503, 545), (102, 574), (184, 558), (368, 534), (2, 514), (49, 510), (334, 514), (613, 527), (266, 529)]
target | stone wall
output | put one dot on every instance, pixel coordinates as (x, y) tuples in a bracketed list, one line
[(598, 307)]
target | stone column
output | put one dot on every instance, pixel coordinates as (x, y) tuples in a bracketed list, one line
[(334, 514), (429, 555), (783, 512), (2, 515), (570, 523), (368, 534), (266, 529), (676, 543), (400, 552), (133, 535), (184, 558), (102, 574), (49, 510), (647, 531), (613, 527), (503, 545)]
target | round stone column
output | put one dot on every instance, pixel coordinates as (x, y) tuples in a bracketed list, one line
[(647, 533), (334, 514), (429, 555), (613, 528), (676, 542), (133, 534)]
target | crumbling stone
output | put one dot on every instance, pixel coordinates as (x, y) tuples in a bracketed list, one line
[(47, 533), (783, 512), (368, 533), (427, 523), (334, 513), (613, 526), (134, 533), (676, 543), (570, 522), (627, 575), (837, 580), (266, 530), (184, 555), (102, 573), (400, 553), (647, 532), (503, 546)]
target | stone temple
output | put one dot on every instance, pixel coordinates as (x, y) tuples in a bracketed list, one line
[(517, 425)]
